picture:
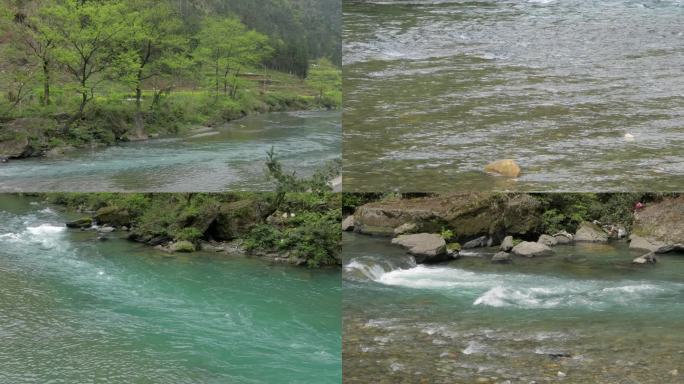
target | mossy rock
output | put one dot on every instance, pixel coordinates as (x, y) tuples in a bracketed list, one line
[(237, 218), (454, 247), (114, 216), (85, 222), (182, 246)]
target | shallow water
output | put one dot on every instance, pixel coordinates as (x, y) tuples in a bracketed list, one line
[(436, 89), (585, 312), (226, 158), (74, 309)]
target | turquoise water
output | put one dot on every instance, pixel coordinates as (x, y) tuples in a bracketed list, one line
[(74, 309), (228, 157), (436, 89), (585, 312)]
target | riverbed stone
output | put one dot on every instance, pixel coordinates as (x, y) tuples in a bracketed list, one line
[(547, 240), (106, 229), (505, 167), (507, 244), (502, 257), (85, 222), (425, 247), (348, 224), (532, 249), (590, 232), (476, 243)]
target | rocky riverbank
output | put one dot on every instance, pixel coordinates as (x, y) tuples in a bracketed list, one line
[(299, 229), (441, 228)]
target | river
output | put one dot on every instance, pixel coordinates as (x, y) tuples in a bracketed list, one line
[(230, 157), (585, 315), (436, 89), (75, 309)]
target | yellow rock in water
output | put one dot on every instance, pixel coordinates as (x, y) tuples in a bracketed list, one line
[(506, 167)]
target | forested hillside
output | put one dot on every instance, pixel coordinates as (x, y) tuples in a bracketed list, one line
[(109, 70)]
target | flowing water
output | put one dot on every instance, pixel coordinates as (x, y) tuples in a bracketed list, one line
[(230, 157), (585, 315), (74, 309), (436, 89)]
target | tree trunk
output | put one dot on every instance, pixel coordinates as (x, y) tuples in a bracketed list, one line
[(233, 93), (46, 82)]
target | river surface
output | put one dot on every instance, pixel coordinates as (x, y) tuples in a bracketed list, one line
[(231, 157), (77, 310), (585, 315), (436, 89)]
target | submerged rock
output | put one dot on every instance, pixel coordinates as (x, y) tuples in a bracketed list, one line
[(425, 247), (502, 257), (547, 240), (507, 244), (649, 258), (506, 167), (348, 223), (590, 232), (85, 222), (531, 249)]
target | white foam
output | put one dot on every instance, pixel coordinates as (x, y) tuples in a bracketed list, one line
[(45, 229)]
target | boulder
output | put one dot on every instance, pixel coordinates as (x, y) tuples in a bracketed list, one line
[(649, 258), (502, 257), (348, 224), (506, 167), (670, 248), (476, 243), (469, 215), (547, 240), (563, 237), (661, 221), (507, 244), (85, 222), (425, 247), (453, 249), (406, 228), (638, 242), (237, 218), (531, 249), (114, 216), (590, 232), (182, 246)]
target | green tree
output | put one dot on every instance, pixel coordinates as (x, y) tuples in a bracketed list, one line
[(31, 33), (327, 80), (227, 46), (90, 43), (158, 41)]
